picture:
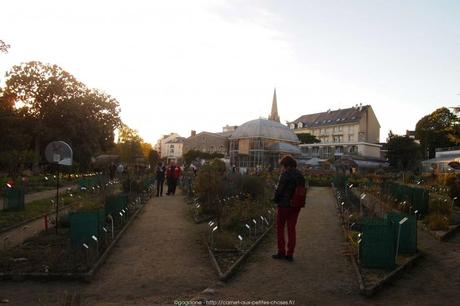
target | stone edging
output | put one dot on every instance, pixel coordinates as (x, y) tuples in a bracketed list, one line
[(226, 276), (83, 276), (370, 291)]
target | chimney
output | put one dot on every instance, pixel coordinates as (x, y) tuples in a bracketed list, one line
[(193, 133)]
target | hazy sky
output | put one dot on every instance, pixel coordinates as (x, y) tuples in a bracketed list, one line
[(195, 64)]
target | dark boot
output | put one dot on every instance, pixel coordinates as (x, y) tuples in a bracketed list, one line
[(278, 256)]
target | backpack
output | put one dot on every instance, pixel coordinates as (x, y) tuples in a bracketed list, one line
[(299, 196)]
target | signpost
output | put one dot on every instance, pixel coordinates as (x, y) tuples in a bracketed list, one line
[(59, 153)]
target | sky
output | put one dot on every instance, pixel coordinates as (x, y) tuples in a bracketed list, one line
[(177, 66)]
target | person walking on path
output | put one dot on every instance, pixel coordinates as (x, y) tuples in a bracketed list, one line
[(286, 213), (172, 176), (160, 177)]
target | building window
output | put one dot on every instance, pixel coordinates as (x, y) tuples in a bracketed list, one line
[(292, 126), (350, 137), (300, 125)]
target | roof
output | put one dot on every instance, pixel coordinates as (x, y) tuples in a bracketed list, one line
[(226, 134), (347, 115), (263, 128), (442, 159), (176, 140), (283, 147)]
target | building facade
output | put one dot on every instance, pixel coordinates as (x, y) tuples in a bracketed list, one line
[(206, 142), (351, 131), (173, 149), (170, 146)]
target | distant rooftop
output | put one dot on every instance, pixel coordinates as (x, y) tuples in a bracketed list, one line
[(331, 117)]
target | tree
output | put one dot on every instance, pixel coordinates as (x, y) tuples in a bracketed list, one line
[(153, 158), (307, 138), (39, 88), (403, 152), (436, 130), (53, 105), (129, 145), (4, 47), (193, 155)]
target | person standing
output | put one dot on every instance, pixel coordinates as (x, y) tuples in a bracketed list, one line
[(172, 175), (160, 177), (286, 214), (177, 172)]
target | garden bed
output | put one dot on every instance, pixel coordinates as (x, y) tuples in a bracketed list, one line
[(48, 256), (11, 219), (227, 262), (370, 279), (375, 279), (442, 235)]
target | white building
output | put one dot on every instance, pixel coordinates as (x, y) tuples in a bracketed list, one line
[(170, 146), (353, 131)]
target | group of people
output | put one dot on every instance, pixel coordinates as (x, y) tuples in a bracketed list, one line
[(172, 174)]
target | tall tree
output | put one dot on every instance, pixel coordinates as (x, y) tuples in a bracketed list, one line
[(57, 106), (403, 152), (39, 88), (129, 145), (436, 130), (307, 138)]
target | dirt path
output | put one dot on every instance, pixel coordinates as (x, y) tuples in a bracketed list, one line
[(319, 275), (159, 259)]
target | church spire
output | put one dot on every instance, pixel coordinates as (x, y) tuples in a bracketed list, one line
[(274, 113)]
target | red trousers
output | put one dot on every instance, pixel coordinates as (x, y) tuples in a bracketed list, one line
[(287, 215)]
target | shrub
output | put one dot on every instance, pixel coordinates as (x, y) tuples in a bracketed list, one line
[(436, 222), (440, 205)]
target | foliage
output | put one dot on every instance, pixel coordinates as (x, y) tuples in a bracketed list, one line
[(453, 183), (14, 161), (403, 152), (49, 103), (4, 47), (440, 205), (308, 138), (193, 155), (436, 222), (254, 186), (153, 158), (319, 180), (131, 184), (438, 129)]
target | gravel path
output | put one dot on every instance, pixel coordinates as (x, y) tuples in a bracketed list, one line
[(319, 275), (160, 258)]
